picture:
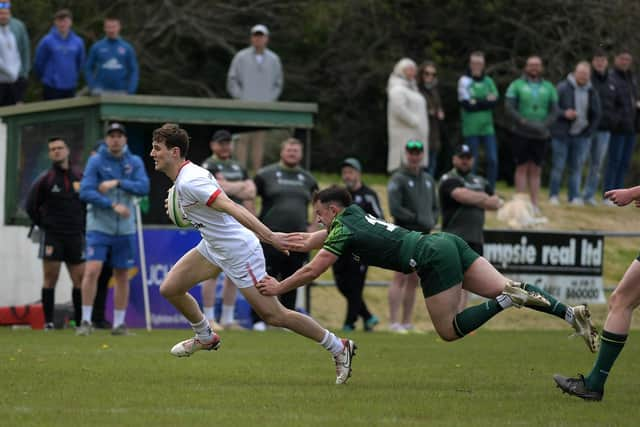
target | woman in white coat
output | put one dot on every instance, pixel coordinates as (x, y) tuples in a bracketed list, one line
[(406, 113)]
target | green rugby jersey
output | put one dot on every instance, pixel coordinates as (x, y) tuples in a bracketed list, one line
[(535, 100), (372, 241)]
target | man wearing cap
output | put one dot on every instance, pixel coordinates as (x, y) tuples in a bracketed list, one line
[(414, 206), (112, 179), (350, 273), (15, 58), (236, 183), (60, 58), (255, 74), (464, 197)]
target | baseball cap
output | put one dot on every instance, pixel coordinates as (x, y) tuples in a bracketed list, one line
[(463, 150), (116, 127), (221, 135), (352, 162), (5, 5), (260, 29), (414, 145)]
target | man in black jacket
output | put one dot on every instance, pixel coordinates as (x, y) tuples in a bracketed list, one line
[(349, 273), (623, 133), (602, 83), (571, 133), (54, 206)]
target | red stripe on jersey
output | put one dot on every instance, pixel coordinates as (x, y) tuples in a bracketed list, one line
[(213, 197), (185, 163)]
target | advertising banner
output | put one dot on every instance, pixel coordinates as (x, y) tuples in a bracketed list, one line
[(567, 265)]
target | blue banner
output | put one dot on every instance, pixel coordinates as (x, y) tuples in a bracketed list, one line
[(163, 248)]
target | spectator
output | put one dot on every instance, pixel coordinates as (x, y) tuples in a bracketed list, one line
[(255, 74), (601, 81), (478, 95), (579, 107), (464, 197), (349, 273), (54, 206), (112, 179), (240, 188), (623, 133), (428, 85), (414, 206), (59, 58), (286, 191), (531, 102), (406, 113), (15, 57), (111, 66)]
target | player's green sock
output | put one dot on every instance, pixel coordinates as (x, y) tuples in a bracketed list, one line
[(472, 318), (556, 308), (610, 347)]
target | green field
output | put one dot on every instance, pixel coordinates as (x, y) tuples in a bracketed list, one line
[(491, 378)]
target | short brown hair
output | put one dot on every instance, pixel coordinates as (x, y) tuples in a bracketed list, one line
[(291, 141), (172, 135), (63, 13), (335, 193)]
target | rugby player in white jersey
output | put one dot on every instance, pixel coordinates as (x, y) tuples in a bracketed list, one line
[(228, 244)]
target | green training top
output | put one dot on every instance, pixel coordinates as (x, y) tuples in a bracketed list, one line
[(372, 240), (480, 122), (534, 99)]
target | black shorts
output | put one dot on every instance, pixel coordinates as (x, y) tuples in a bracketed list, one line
[(528, 150), (62, 247)]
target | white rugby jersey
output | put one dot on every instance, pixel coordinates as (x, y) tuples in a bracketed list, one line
[(197, 189)]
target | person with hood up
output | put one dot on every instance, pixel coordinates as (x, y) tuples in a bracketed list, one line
[(580, 112), (407, 118)]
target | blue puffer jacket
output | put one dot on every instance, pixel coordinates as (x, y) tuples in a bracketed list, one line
[(129, 170)]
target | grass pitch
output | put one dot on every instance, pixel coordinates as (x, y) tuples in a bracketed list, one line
[(279, 379)]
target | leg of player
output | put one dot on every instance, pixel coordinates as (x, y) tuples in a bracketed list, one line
[(120, 300), (190, 270), (51, 271), (75, 272), (275, 314), (229, 291), (624, 299), (483, 279), (92, 270), (396, 290), (409, 301), (209, 302)]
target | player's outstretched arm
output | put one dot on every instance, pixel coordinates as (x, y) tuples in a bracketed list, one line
[(305, 274), (225, 204), (305, 242), (623, 196)]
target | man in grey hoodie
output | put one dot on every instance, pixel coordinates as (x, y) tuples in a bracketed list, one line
[(255, 74), (580, 112)]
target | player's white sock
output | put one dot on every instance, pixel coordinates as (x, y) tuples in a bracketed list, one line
[(209, 313), (118, 317), (227, 314), (87, 311), (331, 343), (203, 330), (504, 301), (568, 316)]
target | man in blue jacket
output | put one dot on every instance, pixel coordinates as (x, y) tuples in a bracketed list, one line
[(59, 58), (112, 179), (112, 65)]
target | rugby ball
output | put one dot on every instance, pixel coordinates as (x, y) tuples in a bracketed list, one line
[(174, 210)]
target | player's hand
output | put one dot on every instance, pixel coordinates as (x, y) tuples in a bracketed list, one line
[(621, 197), (279, 241), (637, 203), (296, 241), (122, 210), (491, 97), (107, 185), (269, 286)]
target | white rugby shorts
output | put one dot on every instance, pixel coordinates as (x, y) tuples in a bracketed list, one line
[(243, 273)]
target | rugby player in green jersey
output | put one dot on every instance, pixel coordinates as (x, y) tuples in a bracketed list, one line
[(444, 262)]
